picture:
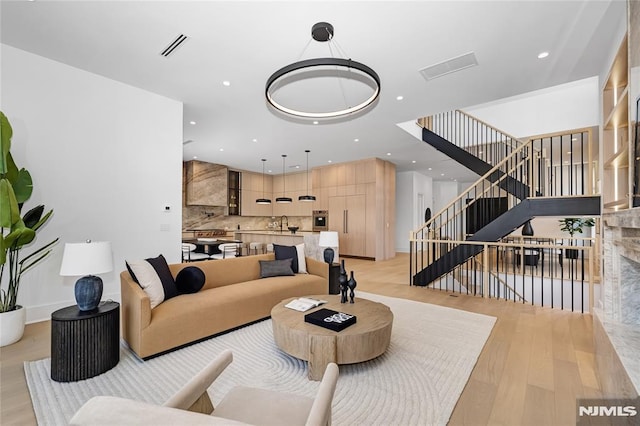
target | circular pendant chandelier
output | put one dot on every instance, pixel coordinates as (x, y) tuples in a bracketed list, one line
[(291, 88)]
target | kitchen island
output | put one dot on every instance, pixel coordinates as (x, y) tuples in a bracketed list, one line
[(286, 238)]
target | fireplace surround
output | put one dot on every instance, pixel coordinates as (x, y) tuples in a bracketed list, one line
[(616, 319)]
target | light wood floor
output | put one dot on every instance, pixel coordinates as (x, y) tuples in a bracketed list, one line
[(534, 366)]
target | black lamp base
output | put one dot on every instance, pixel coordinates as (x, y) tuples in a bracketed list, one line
[(328, 255), (88, 291)]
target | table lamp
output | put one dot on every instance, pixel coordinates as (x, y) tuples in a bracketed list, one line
[(88, 258), (328, 239)]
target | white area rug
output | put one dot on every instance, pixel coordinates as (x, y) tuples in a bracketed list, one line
[(416, 382)]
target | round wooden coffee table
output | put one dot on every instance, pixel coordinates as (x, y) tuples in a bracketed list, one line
[(366, 339)]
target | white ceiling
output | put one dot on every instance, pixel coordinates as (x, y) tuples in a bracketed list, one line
[(244, 42)]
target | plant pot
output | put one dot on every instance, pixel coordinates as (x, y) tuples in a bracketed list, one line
[(12, 325)]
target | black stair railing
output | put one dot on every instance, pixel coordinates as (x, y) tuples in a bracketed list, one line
[(478, 138), (533, 270), (534, 166)]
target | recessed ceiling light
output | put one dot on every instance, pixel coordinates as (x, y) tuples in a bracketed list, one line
[(455, 180), (329, 161), (269, 171), (568, 152), (441, 174), (297, 166), (193, 123), (221, 149), (388, 153), (574, 139), (543, 55), (195, 157), (254, 139), (226, 83), (399, 98), (414, 161), (356, 140), (315, 122), (430, 168)]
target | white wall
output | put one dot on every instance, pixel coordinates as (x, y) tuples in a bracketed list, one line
[(443, 193), (409, 214), (105, 156), (568, 106)]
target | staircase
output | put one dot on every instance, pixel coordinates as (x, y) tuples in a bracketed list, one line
[(515, 176)]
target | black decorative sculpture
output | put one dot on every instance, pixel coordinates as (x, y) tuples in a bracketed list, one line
[(352, 285), (342, 279), (527, 229), (427, 216)]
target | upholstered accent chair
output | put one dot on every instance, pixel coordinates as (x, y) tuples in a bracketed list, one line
[(241, 406)]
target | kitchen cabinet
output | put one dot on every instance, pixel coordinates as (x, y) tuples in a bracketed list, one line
[(206, 184), (347, 215), (366, 190), (252, 189), (295, 185)]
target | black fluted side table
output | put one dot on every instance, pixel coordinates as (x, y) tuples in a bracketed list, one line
[(334, 278), (84, 344)]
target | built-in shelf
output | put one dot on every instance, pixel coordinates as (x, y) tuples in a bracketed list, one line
[(619, 115), (617, 203), (616, 147), (618, 160)]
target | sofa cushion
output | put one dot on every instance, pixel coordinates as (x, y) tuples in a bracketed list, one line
[(276, 268), (287, 252), (190, 280), (302, 263), (155, 278)]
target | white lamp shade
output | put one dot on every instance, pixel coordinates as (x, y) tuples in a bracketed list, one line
[(328, 239), (88, 258)]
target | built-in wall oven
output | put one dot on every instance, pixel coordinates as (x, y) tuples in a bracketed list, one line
[(320, 220)]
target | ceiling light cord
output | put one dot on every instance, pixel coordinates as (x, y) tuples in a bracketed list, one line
[(263, 200), (308, 197), (284, 198)]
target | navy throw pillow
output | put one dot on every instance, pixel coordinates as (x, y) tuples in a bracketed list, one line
[(190, 280), (162, 269), (287, 252)]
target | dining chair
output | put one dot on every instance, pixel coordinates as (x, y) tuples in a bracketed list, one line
[(189, 253), (226, 250)]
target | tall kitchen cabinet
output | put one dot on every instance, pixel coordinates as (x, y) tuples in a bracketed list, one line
[(348, 216), (254, 187), (360, 199)]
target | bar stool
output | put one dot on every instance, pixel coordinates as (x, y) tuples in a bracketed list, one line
[(255, 246)]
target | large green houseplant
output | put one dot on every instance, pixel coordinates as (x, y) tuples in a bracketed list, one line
[(574, 225), (16, 230)]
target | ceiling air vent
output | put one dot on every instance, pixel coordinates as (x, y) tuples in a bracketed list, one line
[(450, 65), (177, 42)]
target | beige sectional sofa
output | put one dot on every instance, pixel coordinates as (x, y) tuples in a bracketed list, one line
[(233, 295)]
